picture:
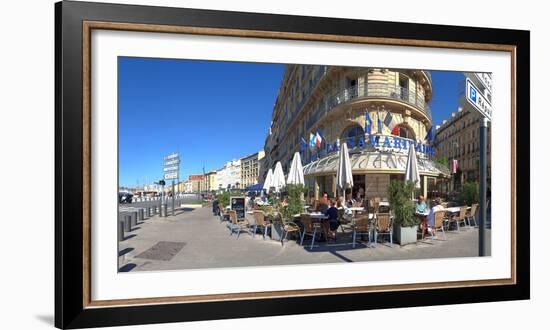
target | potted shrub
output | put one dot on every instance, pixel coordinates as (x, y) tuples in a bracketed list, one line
[(295, 205), (405, 224)]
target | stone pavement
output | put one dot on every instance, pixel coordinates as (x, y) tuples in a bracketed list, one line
[(194, 238)]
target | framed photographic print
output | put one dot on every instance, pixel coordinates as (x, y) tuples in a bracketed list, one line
[(218, 164)]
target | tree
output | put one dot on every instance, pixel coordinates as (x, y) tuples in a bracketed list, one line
[(442, 160)]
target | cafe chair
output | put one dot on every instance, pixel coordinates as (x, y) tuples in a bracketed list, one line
[(310, 229), (237, 226), (383, 226), (289, 226), (439, 221), (259, 217), (471, 215), (223, 214), (361, 226), (343, 220), (459, 218)]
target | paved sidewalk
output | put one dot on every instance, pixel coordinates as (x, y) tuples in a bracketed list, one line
[(196, 239)]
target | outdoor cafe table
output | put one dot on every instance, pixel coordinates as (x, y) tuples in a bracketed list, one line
[(455, 209)]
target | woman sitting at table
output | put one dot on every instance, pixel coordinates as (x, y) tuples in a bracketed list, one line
[(323, 203), (421, 206), (421, 210), (332, 213), (435, 206)]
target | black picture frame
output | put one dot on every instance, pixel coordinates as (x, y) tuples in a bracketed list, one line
[(70, 181)]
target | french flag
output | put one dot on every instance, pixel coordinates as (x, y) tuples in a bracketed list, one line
[(318, 139), (389, 122)]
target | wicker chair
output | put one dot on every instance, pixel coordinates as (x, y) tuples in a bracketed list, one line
[(259, 217), (439, 220), (459, 218), (344, 220), (289, 226), (236, 224), (224, 215), (310, 228), (362, 225), (383, 226), (471, 215)]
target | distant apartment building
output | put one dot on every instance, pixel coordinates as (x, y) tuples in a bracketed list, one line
[(229, 176), (196, 181), (210, 182), (458, 138), (250, 168)]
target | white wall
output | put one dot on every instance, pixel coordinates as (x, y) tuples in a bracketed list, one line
[(27, 129)]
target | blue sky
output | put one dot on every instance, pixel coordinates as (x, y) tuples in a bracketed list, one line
[(211, 112)]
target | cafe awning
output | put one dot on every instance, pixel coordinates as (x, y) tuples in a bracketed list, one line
[(375, 162)]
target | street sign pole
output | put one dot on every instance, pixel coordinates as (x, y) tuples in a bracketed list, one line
[(482, 104), (483, 123), (173, 198)]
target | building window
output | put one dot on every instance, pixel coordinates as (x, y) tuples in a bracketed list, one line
[(403, 131), (353, 135)]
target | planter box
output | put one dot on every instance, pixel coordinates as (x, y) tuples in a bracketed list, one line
[(405, 235)]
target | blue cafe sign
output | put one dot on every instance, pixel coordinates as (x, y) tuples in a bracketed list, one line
[(378, 142)]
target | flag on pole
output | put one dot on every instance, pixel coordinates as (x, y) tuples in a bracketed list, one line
[(389, 122), (430, 135), (312, 140), (318, 139), (303, 144), (379, 122), (368, 123)]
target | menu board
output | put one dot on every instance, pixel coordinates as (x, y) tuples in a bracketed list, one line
[(238, 204)]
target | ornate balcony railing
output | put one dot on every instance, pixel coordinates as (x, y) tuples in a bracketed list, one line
[(379, 91)]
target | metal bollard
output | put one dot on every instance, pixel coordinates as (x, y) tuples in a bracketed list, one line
[(163, 210), (140, 215), (134, 219), (127, 223), (121, 230), (148, 212)]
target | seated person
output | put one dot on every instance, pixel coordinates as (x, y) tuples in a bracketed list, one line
[(421, 206), (332, 213), (323, 203), (435, 206), (421, 209)]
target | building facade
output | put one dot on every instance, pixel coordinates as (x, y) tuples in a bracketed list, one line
[(210, 182), (379, 113), (197, 184), (250, 168), (229, 176), (457, 138)]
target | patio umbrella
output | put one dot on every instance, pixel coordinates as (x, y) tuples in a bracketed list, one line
[(268, 183), (296, 174), (278, 177), (411, 171), (344, 176)]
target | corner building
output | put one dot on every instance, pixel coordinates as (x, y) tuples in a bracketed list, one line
[(335, 102)]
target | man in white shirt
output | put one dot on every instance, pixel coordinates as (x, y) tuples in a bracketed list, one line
[(435, 206)]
